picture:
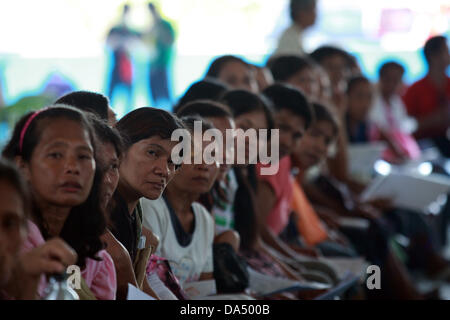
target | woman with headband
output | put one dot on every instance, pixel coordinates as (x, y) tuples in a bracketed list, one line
[(55, 151)]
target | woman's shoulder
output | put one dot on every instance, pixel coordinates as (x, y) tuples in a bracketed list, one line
[(202, 213), (155, 213), (157, 206), (100, 276), (34, 237), (115, 248)]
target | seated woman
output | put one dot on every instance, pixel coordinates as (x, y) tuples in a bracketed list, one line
[(234, 72), (91, 102), (55, 150), (20, 272), (252, 112), (389, 116), (185, 228), (110, 148), (312, 151), (145, 170), (206, 89), (225, 187)]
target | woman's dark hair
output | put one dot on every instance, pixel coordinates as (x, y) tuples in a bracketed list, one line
[(354, 81), (147, 122), (217, 65), (244, 208), (325, 52), (292, 99), (245, 214), (243, 101), (390, 65), (11, 175), (107, 134), (208, 88), (205, 109), (189, 121), (87, 101), (86, 223), (323, 113), (284, 67)]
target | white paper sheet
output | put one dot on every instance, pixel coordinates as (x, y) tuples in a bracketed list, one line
[(263, 284), (136, 294), (200, 289), (159, 287), (407, 190)]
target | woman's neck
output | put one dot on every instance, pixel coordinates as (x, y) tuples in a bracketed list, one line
[(129, 195), (180, 200), (54, 218)]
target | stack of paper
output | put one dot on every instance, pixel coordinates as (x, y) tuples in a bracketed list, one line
[(408, 191)]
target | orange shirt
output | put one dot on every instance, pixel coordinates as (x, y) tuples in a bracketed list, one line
[(308, 223), (281, 184)]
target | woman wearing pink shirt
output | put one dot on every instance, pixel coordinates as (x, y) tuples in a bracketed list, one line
[(55, 150), (20, 272)]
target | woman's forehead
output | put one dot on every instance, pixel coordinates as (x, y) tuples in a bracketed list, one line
[(64, 131)]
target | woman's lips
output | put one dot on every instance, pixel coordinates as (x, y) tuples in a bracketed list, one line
[(71, 186), (201, 179), (157, 185)]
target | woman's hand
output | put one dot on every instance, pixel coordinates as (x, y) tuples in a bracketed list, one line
[(52, 257)]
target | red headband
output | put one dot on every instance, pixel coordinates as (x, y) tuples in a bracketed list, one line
[(27, 124)]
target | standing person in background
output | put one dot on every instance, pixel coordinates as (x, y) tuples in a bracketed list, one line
[(428, 100), (119, 40), (163, 36), (303, 15)]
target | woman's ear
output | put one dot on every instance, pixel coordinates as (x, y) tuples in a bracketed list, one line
[(23, 167)]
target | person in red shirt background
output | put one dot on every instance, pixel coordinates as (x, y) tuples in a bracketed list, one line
[(428, 100)]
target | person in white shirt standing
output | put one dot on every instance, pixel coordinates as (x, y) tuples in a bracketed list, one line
[(303, 15)]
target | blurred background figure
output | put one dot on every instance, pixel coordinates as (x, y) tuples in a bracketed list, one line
[(120, 40), (388, 114), (161, 37), (303, 15), (54, 87), (428, 100)]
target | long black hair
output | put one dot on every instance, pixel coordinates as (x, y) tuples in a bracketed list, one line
[(86, 222), (208, 88), (10, 174), (246, 223), (146, 122), (219, 63)]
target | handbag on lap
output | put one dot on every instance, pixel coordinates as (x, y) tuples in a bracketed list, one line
[(230, 270)]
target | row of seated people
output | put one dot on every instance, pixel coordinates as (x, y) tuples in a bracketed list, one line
[(107, 196)]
